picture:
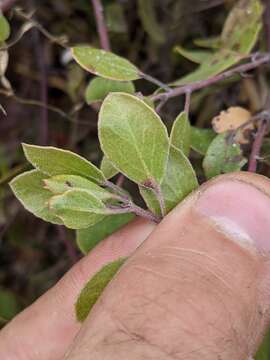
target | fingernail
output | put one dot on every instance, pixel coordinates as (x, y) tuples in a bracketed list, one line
[(240, 210)]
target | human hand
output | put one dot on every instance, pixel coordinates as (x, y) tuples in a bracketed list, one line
[(197, 288)]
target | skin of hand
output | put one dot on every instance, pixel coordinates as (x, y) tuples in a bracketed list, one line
[(197, 286)]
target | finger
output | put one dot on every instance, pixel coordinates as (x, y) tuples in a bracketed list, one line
[(197, 288), (45, 329)]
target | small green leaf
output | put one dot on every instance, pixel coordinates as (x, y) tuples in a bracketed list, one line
[(242, 26), (196, 56), (78, 209), (9, 305), (78, 200), (133, 138), (107, 168), (179, 180), (105, 64), (264, 350), (99, 88), (88, 238), (53, 161), (148, 16), (222, 157), (28, 188), (4, 28), (62, 183), (201, 139), (181, 133), (94, 288)]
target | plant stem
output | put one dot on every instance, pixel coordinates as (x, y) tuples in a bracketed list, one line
[(155, 81), (130, 207), (101, 25), (257, 144), (187, 102), (260, 60)]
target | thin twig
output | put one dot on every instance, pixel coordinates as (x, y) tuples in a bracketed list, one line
[(41, 58), (155, 81), (257, 144), (187, 101), (255, 62), (101, 25), (71, 251), (33, 102)]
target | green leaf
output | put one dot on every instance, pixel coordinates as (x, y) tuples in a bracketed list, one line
[(94, 288), (53, 161), (62, 183), (181, 133), (115, 18), (151, 25), (179, 180), (105, 64), (133, 138), (222, 157), (99, 88), (9, 305), (239, 35), (209, 43), (107, 168), (201, 139), (216, 64), (196, 56), (242, 26), (4, 28), (28, 188), (264, 350), (88, 238), (78, 209)]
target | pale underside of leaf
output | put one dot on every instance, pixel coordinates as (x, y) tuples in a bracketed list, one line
[(133, 138), (53, 161), (28, 188)]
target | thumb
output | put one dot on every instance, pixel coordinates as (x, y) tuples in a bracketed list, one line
[(197, 288)]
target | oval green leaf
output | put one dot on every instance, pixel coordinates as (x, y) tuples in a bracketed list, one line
[(105, 64), (222, 157), (4, 28), (53, 161), (107, 168), (94, 288), (180, 136), (99, 88), (133, 138), (29, 190), (62, 183)]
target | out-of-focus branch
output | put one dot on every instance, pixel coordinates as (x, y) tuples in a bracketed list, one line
[(5, 5), (101, 25)]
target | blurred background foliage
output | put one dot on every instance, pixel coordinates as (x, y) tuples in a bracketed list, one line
[(35, 254)]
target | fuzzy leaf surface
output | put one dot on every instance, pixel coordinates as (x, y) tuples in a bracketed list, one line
[(53, 161), (180, 135), (133, 138), (29, 190), (105, 64)]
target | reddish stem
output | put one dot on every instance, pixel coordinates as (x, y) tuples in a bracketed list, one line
[(101, 25), (257, 144), (262, 59)]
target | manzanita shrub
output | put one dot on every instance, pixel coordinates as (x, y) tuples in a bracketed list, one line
[(66, 189)]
